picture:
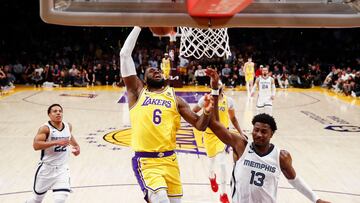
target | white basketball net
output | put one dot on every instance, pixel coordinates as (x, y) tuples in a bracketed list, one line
[(204, 42)]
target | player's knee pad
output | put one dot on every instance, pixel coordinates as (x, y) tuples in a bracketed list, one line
[(158, 197), (60, 197), (175, 200), (36, 199)]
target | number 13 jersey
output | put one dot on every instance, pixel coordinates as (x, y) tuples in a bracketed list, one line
[(154, 121), (255, 178)]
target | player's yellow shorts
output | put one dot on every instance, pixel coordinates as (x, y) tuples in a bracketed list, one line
[(213, 145), (156, 171), (249, 77), (166, 73)]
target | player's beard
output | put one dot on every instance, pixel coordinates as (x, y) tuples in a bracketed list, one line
[(155, 83)]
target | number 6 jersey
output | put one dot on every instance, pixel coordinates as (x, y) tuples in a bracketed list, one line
[(154, 121), (56, 155), (255, 178)]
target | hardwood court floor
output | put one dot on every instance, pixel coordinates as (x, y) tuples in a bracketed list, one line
[(314, 126)]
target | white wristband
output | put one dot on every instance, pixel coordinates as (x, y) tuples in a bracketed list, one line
[(215, 92), (299, 184)]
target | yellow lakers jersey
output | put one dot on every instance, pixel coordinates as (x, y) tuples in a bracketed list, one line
[(249, 68), (154, 121), (223, 113), (165, 64)]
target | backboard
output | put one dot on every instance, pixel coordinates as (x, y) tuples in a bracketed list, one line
[(170, 13)]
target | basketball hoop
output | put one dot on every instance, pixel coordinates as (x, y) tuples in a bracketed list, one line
[(208, 42)]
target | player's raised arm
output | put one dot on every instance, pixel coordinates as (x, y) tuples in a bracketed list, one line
[(199, 122), (237, 142), (127, 67), (295, 180)]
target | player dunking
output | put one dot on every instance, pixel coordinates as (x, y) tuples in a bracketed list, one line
[(215, 149), (155, 113), (53, 140), (249, 75), (267, 90), (258, 164)]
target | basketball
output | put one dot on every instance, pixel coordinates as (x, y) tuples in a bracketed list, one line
[(161, 30)]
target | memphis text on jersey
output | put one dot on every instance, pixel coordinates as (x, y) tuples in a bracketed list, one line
[(261, 166)]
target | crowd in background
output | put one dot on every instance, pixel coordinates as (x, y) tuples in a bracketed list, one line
[(41, 54)]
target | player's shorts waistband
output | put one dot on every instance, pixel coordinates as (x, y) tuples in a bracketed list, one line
[(154, 154), (53, 165)]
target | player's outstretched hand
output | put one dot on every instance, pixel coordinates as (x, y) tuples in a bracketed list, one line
[(75, 150), (214, 77), (208, 103), (322, 201)]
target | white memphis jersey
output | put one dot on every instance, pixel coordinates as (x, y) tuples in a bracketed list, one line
[(255, 178), (265, 86), (56, 155)]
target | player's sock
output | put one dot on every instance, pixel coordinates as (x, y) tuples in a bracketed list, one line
[(222, 178), (35, 199)]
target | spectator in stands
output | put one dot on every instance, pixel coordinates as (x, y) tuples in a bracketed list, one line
[(226, 74), (4, 83), (153, 63), (64, 77), (28, 73), (191, 75), (73, 72), (79, 80), (98, 74), (283, 80), (90, 77), (18, 70), (46, 74), (241, 75), (276, 74), (10, 77), (356, 88), (200, 75), (37, 79), (55, 72), (108, 76), (329, 78)]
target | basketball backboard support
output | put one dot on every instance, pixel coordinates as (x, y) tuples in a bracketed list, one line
[(170, 13)]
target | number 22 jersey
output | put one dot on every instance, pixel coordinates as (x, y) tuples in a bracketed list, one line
[(255, 178), (154, 121)]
